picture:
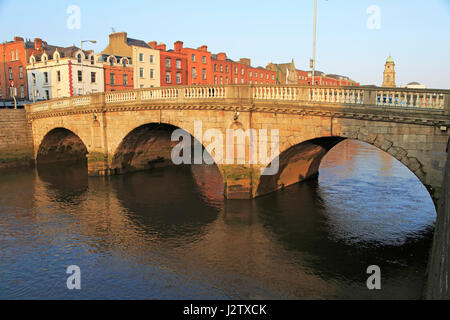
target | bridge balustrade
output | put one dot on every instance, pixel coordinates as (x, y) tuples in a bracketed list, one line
[(356, 96)]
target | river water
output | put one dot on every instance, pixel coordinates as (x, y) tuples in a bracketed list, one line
[(169, 234)]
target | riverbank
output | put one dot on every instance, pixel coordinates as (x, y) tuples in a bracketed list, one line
[(439, 265), (16, 144)]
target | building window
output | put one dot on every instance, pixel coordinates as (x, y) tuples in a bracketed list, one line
[(10, 73), (21, 72), (12, 55), (193, 58), (221, 68), (250, 73), (80, 76), (204, 74), (215, 79), (141, 72), (125, 79), (250, 81), (204, 60), (151, 58), (168, 80), (47, 95), (178, 64), (112, 79), (273, 77), (261, 75), (242, 71), (194, 72), (79, 58), (178, 77), (226, 69), (235, 70), (33, 78), (151, 73), (92, 59), (256, 74), (226, 80), (17, 54), (242, 80), (141, 57), (22, 91), (58, 75), (267, 76), (124, 62), (167, 62), (215, 67), (221, 80), (46, 77), (92, 77)]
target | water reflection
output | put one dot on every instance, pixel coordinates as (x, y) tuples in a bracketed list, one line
[(169, 234)]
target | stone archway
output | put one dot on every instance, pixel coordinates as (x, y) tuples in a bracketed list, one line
[(61, 144)]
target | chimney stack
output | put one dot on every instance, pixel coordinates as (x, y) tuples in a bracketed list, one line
[(161, 47), (38, 44), (178, 46), (152, 44)]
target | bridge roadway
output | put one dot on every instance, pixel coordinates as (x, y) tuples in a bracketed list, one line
[(126, 131)]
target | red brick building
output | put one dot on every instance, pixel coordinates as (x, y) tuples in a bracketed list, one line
[(13, 66), (118, 73), (174, 64), (198, 65), (226, 71)]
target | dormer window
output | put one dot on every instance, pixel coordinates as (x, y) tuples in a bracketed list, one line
[(92, 59), (79, 58)]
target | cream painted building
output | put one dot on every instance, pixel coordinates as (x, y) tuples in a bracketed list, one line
[(64, 72), (146, 61)]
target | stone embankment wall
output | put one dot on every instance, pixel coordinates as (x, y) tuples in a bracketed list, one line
[(16, 143), (439, 266)]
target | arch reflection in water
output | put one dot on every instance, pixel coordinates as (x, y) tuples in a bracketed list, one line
[(168, 203), (366, 208), (168, 233)]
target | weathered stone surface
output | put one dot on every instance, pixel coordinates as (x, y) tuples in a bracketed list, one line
[(16, 143), (103, 129)]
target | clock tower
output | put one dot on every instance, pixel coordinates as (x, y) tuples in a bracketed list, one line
[(389, 73)]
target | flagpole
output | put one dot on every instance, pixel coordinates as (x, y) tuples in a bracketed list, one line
[(314, 43)]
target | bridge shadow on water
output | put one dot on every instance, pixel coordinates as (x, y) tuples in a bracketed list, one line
[(331, 227)]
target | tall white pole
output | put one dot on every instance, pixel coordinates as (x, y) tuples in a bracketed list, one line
[(82, 59), (314, 43)]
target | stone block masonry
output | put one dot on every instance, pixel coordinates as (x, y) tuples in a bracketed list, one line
[(439, 266), (16, 143)]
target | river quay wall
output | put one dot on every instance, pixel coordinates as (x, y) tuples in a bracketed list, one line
[(16, 143), (438, 287)]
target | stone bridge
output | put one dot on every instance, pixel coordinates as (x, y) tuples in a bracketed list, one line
[(125, 131)]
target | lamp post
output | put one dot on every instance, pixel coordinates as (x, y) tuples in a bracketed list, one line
[(314, 43), (82, 54)]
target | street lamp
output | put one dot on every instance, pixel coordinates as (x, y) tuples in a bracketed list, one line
[(313, 64), (81, 47)]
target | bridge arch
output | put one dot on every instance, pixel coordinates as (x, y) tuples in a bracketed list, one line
[(149, 146), (302, 161), (61, 144)]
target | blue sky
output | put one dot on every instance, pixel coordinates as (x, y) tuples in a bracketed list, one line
[(416, 33)]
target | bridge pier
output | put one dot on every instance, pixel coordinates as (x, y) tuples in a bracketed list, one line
[(240, 181), (97, 164)]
